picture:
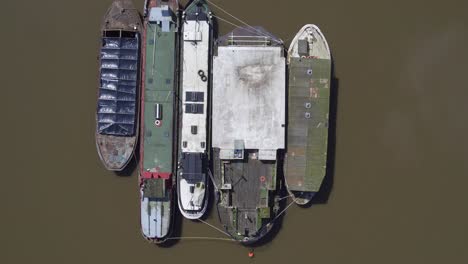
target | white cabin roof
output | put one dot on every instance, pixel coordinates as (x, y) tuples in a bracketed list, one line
[(249, 99), (195, 59)]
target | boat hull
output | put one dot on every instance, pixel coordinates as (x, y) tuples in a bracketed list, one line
[(158, 115), (115, 152), (248, 131), (309, 64), (116, 145), (196, 45)]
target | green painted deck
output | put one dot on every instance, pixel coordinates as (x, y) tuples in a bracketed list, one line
[(159, 89), (309, 94), (154, 189)]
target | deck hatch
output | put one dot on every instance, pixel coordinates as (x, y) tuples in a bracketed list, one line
[(193, 167), (194, 108), (194, 96), (303, 47), (117, 109), (154, 188)]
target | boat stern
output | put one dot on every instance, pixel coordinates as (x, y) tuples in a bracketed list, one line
[(115, 152), (309, 42), (155, 210), (122, 15), (192, 185), (193, 199)]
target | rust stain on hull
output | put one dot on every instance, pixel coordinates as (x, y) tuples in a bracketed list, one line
[(116, 152)]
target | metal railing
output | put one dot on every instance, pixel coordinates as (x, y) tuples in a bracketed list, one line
[(249, 41)]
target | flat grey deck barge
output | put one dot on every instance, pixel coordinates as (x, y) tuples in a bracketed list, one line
[(248, 129)]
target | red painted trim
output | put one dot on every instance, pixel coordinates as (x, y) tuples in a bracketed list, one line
[(142, 96), (155, 175)]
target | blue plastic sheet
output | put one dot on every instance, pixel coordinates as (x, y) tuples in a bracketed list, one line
[(117, 103)]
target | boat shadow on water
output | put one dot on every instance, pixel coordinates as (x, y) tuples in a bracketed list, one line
[(321, 197)]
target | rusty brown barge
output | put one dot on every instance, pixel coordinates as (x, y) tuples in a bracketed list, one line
[(119, 69)]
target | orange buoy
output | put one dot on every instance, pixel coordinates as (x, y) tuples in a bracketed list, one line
[(251, 254)]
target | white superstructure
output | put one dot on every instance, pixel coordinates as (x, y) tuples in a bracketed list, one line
[(196, 39), (191, 175)]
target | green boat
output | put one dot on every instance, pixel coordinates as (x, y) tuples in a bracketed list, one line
[(158, 135), (309, 64)]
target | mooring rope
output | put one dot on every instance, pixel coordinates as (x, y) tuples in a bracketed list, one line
[(277, 216), (203, 238), (282, 212), (214, 227), (226, 21), (212, 179), (238, 19), (256, 31), (285, 197), (208, 238), (231, 239)]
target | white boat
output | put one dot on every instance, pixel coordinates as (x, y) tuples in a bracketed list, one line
[(196, 44)]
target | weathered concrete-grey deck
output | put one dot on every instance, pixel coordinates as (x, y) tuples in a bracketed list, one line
[(309, 92), (248, 178), (249, 97)]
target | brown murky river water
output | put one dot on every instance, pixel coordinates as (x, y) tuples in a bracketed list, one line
[(399, 187)]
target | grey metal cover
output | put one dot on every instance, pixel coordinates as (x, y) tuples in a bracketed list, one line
[(194, 96), (303, 47), (192, 164), (117, 106), (194, 108)]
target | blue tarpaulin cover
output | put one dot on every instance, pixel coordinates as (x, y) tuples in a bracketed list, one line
[(117, 103)]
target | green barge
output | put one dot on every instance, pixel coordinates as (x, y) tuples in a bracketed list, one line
[(309, 64), (158, 128)]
